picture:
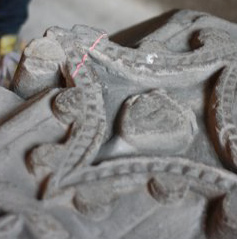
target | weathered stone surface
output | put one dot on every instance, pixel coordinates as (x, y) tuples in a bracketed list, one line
[(9, 103), (222, 114), (224, 224), (39, 67), (154, 122), (133, 145)]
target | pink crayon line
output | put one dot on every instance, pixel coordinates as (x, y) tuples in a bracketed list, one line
[(80, 64)]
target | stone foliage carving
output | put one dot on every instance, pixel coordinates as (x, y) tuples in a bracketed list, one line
[(140, 143)]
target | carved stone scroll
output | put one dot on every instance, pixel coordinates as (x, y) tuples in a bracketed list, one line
[(130, 141)]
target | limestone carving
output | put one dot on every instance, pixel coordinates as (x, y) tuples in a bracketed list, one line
[(102, 140)]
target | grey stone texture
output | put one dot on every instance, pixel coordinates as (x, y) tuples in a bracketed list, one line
[(140, 143)]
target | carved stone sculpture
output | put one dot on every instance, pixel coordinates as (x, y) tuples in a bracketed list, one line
[(102, 140)]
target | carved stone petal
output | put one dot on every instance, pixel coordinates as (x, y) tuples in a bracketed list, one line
[(39, 67), (223, 116), (155, 122)]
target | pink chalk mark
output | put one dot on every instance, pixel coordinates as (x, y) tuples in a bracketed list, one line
[(80, 64), (97, 41)]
